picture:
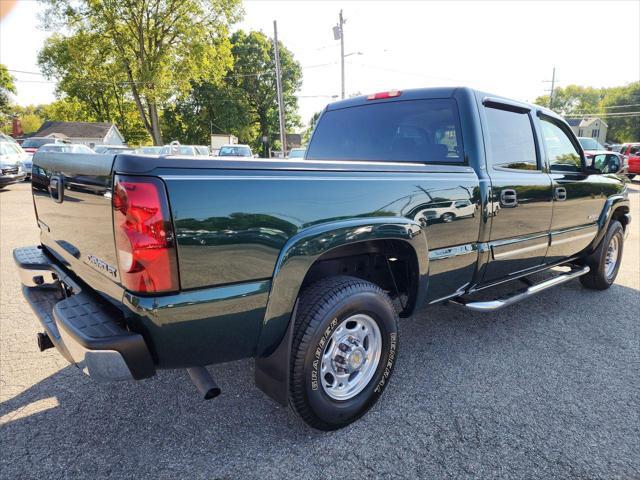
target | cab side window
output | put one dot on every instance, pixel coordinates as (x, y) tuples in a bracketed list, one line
[(563, 155), (511, 142)]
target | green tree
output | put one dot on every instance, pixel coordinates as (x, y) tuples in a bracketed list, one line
[(86, 72), (158, 48), (619, 102), (306, 135), (254, 79), (574, 99), (244, 103), (616, 105), (6, 87), (67, 109)]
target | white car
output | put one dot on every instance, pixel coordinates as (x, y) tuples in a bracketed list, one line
[(235, 151), (188, 150), (446, 211), (12, 157)]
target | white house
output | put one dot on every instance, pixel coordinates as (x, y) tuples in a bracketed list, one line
[(87, 133), (592, 127)]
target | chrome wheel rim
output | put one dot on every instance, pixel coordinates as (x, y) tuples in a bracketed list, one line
[(351, 357), (611, 260)]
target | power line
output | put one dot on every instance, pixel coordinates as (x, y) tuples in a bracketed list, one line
[(24, 71), (622, 106), (595, 115)]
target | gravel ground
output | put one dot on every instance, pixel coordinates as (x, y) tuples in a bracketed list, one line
[(548, 388)]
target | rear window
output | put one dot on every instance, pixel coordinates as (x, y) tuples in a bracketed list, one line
[(425, 131), (234, 152), (35, 143)]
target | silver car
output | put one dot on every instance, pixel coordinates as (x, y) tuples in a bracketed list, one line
[(12, 169)]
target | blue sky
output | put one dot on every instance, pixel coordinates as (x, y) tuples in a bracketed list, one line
[(504, 47)]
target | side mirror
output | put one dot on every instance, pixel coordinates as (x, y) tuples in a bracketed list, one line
[(591, 170)]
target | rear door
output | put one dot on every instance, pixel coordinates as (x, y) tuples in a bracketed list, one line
[(521, 190), (72, 197)]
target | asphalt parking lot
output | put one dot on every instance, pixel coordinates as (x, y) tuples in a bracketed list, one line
[(548, 388)]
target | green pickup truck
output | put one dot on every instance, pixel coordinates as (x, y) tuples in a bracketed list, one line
[(403, 199)]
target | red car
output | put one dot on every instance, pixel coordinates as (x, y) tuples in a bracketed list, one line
[(632, 152)]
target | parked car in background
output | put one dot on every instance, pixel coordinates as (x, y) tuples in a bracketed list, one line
[(242, 151), (607, 162), (297, 152), (65, 148), (187, 150), (150, 150), (11, 167), (31, 145), (615, 147), (591, 144), (112, 149), (632, 153)]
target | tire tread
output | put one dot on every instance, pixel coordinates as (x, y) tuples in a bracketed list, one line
[(314, 300)]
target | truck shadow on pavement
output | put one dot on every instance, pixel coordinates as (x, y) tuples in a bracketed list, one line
[(530, 378)]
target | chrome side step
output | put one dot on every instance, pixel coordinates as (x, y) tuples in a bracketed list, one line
[(492, 305)]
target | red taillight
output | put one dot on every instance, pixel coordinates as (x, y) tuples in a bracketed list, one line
[(381, 95), (144, 235)]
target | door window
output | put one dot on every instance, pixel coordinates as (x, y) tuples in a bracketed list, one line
[(511, 142), (563, 155)]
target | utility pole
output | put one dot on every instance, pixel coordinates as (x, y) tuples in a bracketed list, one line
[(283, 136), (338, 34), (553, 84)]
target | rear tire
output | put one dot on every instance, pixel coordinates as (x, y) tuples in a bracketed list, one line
[(605, 260), (344, 349)]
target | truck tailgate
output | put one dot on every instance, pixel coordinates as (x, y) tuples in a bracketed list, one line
[(72, 196)]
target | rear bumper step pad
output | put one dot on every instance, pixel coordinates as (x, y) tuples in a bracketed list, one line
[(84, 329)]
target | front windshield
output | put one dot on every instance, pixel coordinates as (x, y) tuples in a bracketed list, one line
[(590, 144), (234, 152)]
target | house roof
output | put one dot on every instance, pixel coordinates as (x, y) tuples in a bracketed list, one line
[(589, 120), (584, 122), (75, 129)]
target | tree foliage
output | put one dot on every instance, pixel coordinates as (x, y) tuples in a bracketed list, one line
[(156, 48), (6, 87), (86, 74), (575, 100), (244, 103)]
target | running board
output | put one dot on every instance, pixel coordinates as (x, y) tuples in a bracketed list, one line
[(492, 305)]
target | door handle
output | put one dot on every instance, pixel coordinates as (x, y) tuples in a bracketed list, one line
[(561, 194), (508, 198)]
